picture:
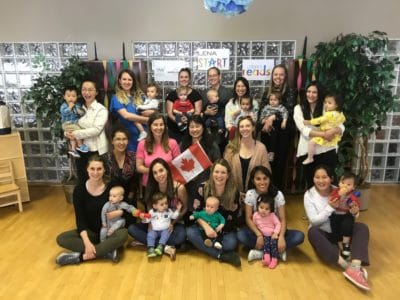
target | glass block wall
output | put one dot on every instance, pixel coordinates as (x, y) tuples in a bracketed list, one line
[(279, 51), (384, 146), (42, 161)]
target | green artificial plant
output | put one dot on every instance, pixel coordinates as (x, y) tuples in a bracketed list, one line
[(358, 67), (47, 91)]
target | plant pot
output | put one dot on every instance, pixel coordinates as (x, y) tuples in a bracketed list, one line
[(364, 198)]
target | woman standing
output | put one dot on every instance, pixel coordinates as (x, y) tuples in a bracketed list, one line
[(279, 84), (89, 198), (260, 182), (156, 145), (319, 206), (241, 89), (312, 107), (121, 164), (244, 152), (184, 79), (123, 105), (197, 132), (92, 124), (221, 186), (160, 180)]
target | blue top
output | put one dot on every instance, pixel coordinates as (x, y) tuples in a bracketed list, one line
[(71, 115), (115, 106)]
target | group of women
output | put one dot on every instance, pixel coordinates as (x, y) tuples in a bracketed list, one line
[(237, 177)]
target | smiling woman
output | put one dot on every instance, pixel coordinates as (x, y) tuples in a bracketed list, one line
[(123, 105), (244, 152), (156, 145)]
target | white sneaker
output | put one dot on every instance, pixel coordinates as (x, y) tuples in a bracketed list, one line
[(283, 256), (217, 245), (171, 251), (142, 135), (255, 255)]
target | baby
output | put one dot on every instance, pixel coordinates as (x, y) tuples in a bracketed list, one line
[(71, 111), (213, 218), (182, 107), (342, 219), (160, 219), (216, 120), (115, 203), (150, 103)]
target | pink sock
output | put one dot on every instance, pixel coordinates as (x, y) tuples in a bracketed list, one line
[(266, 259), (273, 264)]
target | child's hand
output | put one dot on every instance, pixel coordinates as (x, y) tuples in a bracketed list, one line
[(343, 191), (110, 232), (196, 204), (283, 124), (275, 236), (307, 122), (219, 228)]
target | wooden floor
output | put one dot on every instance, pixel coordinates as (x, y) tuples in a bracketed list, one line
[(28, 270)]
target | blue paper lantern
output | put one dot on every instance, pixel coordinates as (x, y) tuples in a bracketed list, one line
[(227, 8)]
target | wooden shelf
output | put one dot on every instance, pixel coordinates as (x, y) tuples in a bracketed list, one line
[(11, 149)]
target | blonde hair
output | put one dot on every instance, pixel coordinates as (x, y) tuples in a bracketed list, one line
[(227, 199), (234, 145), (135, 92), (118, 189)]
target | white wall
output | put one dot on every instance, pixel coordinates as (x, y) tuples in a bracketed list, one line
[(109, 23)]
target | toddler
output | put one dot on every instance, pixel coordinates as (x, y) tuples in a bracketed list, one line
[(213, 218), (71, 111), (246, 109), (274, 107), (182, 107), (270, 226), (150, 103), (342, 219), (216, 120), (332, 118), (115, 203), (160, 219)]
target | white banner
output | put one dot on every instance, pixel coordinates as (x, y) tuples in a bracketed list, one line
[(167, 70), (257, 69), (207, 58)]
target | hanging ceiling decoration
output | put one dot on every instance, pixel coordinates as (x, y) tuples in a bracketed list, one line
[(228, 8)]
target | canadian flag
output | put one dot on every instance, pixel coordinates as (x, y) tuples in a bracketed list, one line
[(189, 163)]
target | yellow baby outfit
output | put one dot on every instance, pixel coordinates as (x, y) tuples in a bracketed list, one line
[(328, 120)]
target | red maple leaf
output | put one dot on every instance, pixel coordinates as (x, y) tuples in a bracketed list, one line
[(187, 164)]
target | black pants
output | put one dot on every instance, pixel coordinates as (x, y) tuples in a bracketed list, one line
[(283, 143), (305, 173), (342, 225)]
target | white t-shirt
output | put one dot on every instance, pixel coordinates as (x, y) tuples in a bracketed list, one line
[(251, 200), (318, 210)]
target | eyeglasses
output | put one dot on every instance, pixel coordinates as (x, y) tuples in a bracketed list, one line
[(88, 90)]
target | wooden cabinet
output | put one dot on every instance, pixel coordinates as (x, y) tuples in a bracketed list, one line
[(11, 149)]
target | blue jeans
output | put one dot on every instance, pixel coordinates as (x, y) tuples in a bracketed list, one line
[(248, 238), (229, 241), (139, 232)]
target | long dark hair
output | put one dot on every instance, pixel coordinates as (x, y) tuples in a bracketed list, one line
[(246, 84), (206, 140), (153, 186), (272, 190), (305, 106)]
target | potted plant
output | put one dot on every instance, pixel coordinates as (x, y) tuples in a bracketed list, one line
[(357, 67), (47, 96)]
